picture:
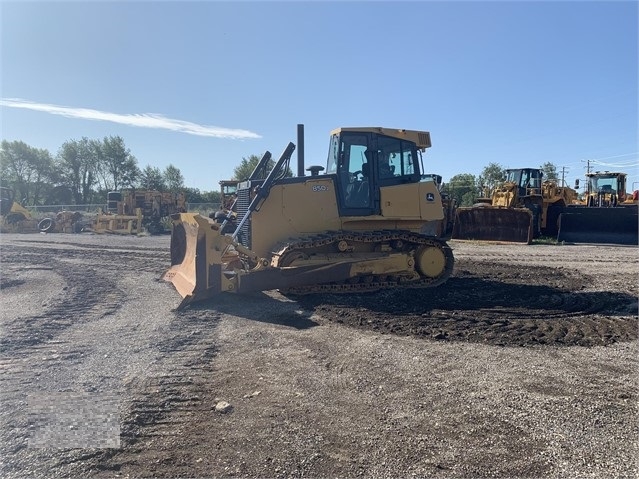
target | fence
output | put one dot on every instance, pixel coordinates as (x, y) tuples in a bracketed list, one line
[(203, 208)]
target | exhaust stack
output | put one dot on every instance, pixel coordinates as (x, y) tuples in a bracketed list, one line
[(300, 150)]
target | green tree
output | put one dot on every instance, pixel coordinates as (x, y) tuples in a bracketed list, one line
[(25, 169), (173, 179), (469, 198), (212, 196), (44, 173), (151, 179), (243, 171), (118, 168), (194, 195), (463, 188), (550, 171), (491, 176), (78, 162)]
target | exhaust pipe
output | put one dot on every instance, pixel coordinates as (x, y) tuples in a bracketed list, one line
[(300, 150)]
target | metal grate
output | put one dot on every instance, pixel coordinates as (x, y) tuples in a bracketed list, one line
[(242, 206)]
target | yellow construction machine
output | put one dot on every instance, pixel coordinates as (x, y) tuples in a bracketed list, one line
[(12, 212), (63, 222), (370, 220), (606, 214), (15, 218), (228, 197), (131, 211), (523, 207)]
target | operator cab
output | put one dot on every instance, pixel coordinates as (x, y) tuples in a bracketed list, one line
[(365, 159), (607, 182), (528, 180)]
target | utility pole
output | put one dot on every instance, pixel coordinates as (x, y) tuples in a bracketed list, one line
[(587, 179), (563, 173)]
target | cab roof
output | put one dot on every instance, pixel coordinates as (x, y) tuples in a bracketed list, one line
[(420, 138)]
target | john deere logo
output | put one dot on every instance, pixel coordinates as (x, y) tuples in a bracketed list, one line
[(430, 197)]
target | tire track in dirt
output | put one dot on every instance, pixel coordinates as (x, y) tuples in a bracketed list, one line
[(165, 405), (90, 290), (493, 302), (87, 292)]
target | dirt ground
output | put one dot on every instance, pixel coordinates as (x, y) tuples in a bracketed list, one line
[(524, 364)]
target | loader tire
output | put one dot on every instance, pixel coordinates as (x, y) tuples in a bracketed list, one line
[(46, 225), (552, 220)]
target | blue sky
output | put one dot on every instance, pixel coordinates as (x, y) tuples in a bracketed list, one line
[(201, 85)]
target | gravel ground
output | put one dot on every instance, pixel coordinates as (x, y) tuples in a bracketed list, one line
[(524, 364)]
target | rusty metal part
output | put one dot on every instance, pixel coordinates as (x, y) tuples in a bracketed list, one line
[(489, 223)]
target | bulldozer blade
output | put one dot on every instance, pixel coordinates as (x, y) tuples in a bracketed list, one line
[(196, 257), (202, 265), (488, 223), (618, 225)]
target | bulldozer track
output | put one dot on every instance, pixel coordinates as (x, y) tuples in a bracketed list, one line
[(353, 242)]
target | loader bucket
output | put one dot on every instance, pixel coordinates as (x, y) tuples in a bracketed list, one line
[(599, 225), (488, 223), (196, 257)]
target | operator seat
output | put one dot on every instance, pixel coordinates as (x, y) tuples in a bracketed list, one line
[(362, 198)]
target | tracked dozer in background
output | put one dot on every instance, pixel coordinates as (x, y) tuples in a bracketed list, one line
[(369, 221), (607, 213)]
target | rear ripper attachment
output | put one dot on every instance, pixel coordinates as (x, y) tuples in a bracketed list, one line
[(311, 234)]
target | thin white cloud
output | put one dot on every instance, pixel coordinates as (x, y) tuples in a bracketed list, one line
[(145, 120)]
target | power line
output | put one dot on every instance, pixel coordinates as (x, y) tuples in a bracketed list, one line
[(618, 165), (616, 156)]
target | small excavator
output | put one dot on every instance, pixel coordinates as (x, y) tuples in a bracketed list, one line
[(373, 220)]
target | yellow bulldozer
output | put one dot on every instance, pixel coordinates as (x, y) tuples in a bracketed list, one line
[(367, 221), (523, 207), (605, 214)]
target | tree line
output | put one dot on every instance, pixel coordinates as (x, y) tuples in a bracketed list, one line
[(83, 172)]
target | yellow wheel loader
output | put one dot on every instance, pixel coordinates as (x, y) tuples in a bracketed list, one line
[(524, 207), (512, 215), (370, 220), (607, 213)]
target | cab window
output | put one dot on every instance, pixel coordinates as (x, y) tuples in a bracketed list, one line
[(396, 158)]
